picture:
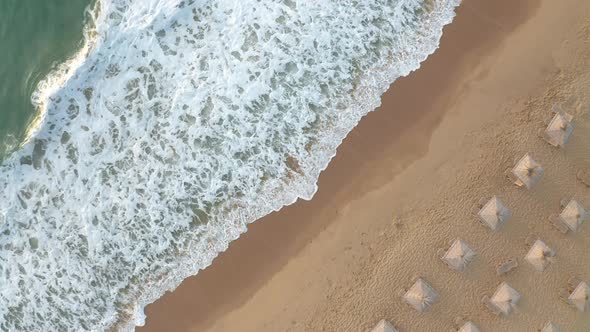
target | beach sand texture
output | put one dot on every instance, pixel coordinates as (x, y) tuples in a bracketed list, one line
[(404, 184)]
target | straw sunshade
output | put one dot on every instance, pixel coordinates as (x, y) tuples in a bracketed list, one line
[(580, 297), (550, 327), (494, 213), (384, 326), (527, 172), (505, 298), (559, 130), (573, 215), (420, 295), (538, 255), (459, 255), (468, 327)]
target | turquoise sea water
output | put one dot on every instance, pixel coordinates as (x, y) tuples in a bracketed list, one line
[(34, 36)]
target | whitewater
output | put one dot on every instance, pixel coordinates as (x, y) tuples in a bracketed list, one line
[(181, 122)]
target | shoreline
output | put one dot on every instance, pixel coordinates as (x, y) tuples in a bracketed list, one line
[(241, 280)]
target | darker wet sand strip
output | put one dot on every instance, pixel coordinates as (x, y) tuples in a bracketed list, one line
[(380, 147)]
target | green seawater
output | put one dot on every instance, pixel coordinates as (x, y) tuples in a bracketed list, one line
[(35, 36)]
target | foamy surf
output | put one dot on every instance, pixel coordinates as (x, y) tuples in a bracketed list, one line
[(186, 121), (59, 75)]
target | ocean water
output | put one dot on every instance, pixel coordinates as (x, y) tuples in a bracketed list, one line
[(176, 124), (35, 36)]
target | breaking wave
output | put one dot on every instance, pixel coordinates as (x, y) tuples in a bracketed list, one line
[(183, 121)]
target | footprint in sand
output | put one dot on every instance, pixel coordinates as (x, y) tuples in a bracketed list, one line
[(584, 177)]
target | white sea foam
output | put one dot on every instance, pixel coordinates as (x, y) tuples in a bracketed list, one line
[(59, 75), (187, 120)]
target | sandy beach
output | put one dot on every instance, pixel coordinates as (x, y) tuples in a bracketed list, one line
[(404, 183)]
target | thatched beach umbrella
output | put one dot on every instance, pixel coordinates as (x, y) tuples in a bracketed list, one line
[(459, 255), (505, 298), (580, 297), (494, 213), (384, 326), (420, 295), (538, 255), (527, 172), (559, 130), (573, 215), (550, 327), (468, 327)]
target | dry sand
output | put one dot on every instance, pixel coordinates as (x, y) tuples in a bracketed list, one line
[(404, 184)]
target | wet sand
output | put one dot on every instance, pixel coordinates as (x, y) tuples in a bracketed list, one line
[(404, 183)]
